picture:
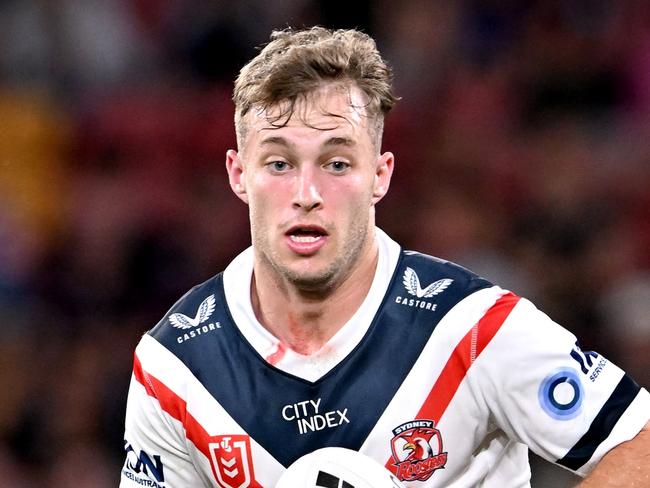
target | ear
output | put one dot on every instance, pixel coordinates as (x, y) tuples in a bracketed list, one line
[(383, 173), (236, 174)]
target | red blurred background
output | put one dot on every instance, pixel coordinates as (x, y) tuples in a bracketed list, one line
[(522, 153)]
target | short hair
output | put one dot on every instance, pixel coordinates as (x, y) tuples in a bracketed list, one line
[(296, 63)]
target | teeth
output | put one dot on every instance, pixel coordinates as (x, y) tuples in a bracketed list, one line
[(304, 238)]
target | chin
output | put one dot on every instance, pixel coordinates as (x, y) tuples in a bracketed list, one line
[(311, 279)]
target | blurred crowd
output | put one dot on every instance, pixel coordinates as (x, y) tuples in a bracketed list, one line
[(522, 153)]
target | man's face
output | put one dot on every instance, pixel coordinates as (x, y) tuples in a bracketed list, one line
[(311, 186)]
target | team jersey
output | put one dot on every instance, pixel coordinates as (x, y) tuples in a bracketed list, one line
[(441, 376)]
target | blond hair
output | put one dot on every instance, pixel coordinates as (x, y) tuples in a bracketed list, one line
[(296, 63)]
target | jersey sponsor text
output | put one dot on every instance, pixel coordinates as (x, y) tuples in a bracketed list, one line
[(308, 417)]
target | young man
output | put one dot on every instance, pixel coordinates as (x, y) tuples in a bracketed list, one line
[(326, 333)]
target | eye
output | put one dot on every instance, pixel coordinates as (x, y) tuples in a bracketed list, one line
[(338, 166), (278, 166)]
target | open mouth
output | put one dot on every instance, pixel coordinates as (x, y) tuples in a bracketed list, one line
[(306, 234), (305, 237)]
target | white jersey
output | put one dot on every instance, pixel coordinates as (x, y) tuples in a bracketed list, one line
[(440, 376)]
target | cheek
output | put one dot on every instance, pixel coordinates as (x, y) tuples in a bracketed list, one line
[(258, 207), (263, 202), (351, 209), (355, 193)]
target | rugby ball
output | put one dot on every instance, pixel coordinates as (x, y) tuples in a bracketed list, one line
[(337, 467)]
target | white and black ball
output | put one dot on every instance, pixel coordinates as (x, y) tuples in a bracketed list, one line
[(337, 467)]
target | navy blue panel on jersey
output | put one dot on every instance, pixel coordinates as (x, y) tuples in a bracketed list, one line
[(290, 416), (624, 394)]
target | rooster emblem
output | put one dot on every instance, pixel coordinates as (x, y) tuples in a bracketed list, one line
[(412, 285), (417, 450), (182, 321)]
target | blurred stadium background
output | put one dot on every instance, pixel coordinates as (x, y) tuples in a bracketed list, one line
[(522, 146)]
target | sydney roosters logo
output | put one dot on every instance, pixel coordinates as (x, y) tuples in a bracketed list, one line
[(417, 450)]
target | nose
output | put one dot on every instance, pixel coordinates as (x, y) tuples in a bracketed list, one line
[(307, 195)]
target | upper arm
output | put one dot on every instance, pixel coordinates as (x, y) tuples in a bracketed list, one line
[(154, 445), (569, 406)]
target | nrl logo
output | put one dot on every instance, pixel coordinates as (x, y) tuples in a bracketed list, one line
[(412, 285), (231, 461), (182, 321)]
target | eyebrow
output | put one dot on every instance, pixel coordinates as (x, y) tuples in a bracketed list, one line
[(332, 141), (281, 141), (339, 141)]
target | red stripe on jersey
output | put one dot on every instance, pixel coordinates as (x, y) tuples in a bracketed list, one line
[(169, 401), (461, 359), (176, 407)]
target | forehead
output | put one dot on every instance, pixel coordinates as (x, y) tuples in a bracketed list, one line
[(333, 108)]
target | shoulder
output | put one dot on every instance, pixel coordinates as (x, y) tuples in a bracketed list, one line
[(194, 309), (187, 328), (418, 269), (424, 289)]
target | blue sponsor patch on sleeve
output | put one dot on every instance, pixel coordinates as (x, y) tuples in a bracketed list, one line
[(561, 394)]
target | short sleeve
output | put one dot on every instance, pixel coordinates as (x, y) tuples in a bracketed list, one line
[(568, 405), (155, 450)]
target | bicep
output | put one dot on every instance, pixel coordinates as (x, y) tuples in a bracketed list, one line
[(154, 447), (568, 405)]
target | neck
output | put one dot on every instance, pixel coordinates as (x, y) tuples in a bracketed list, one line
[(304, 320)]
